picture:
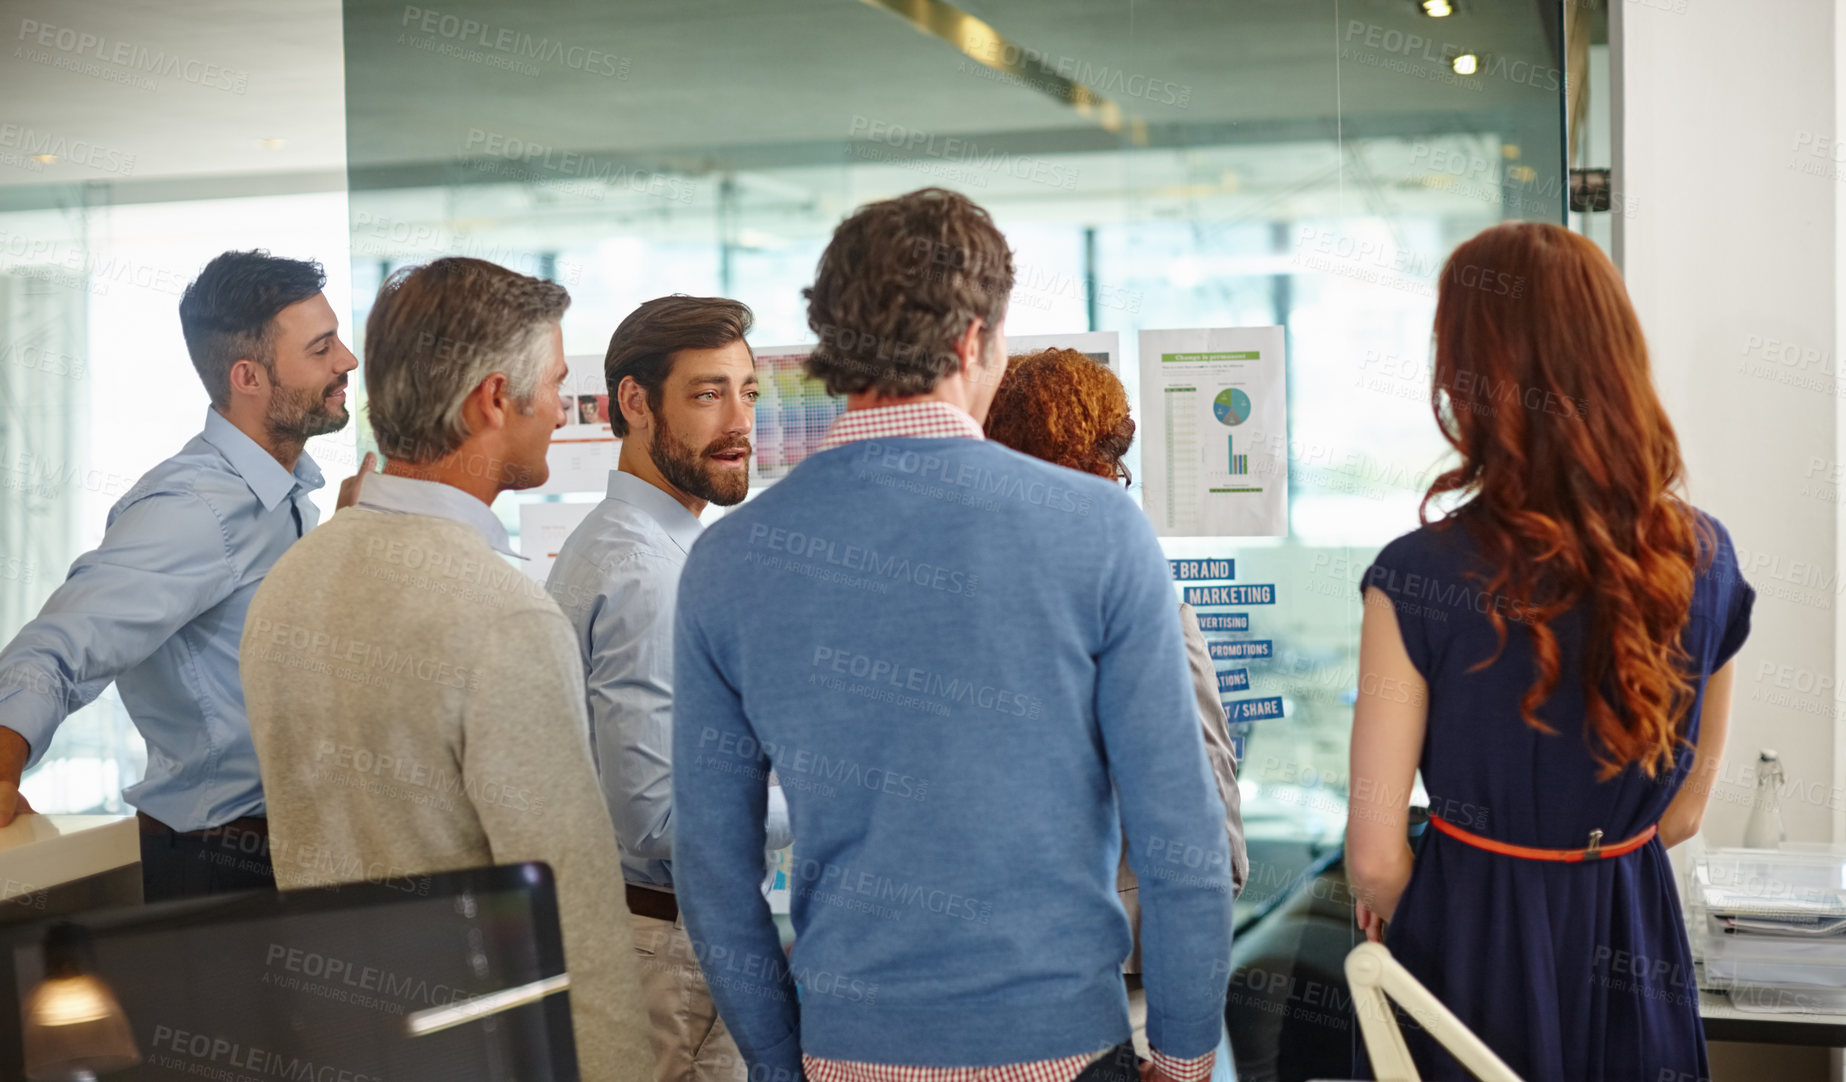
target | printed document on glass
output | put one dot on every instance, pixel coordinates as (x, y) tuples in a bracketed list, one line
[(585, 450), (1103, 347), (1214, 432), (543, 528)]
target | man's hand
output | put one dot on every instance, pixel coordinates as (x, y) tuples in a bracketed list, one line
[(13, 753), (349, 488)]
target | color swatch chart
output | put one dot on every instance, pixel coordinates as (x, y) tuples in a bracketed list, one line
[(793, 412)]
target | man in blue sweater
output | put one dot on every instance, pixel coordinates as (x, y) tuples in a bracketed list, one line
[(962, 664)]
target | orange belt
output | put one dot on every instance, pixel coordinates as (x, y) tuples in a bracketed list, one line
[(1594, 851)]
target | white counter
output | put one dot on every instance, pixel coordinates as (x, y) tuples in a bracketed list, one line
[(40, 852)]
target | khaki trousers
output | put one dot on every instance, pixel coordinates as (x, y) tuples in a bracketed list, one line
[(690, 1041)]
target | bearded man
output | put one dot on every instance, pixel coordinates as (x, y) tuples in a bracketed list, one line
[(159, 606), (682, 392)]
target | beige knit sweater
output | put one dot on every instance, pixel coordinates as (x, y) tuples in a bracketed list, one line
[(417, 705)]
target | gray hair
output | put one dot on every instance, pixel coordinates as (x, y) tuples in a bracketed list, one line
[(435, 333)]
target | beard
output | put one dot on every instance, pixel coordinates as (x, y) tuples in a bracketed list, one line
[(298, 414), (688, 471)]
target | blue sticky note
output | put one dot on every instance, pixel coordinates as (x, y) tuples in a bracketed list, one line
[(1254, 594), (1203, 570), (1236, 621), (1254, 709), (1241, 650)]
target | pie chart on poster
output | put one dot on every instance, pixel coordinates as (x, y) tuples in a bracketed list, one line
[(1231, 407)]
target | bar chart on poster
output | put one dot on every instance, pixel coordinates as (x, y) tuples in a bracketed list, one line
[(1214, 425)]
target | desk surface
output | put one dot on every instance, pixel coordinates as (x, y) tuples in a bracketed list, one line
[(41, 851), (1723, 1022)]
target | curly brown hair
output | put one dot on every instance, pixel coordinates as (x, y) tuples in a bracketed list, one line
[(1063, 407), (899, 283)]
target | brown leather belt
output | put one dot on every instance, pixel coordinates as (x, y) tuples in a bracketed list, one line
[(649, 902), (249, 824)]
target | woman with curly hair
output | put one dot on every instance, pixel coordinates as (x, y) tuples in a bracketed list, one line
[(1063, 407), (1555, 655)]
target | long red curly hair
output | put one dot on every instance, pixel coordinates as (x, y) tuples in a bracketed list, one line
[(1063, 407), (1569, 473)]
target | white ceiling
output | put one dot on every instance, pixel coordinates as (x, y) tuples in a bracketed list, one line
[(280, 60)]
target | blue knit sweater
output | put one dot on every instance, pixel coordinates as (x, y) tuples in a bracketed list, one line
[(964, 667)]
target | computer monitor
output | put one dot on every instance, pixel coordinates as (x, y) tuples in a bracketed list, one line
[(318, 984)]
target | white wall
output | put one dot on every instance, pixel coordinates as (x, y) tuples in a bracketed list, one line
[(1725, 115)]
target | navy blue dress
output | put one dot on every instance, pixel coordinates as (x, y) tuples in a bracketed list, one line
[(1574, 972)]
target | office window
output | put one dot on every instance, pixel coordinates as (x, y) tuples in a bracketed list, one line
[(1192, 164), (1180, 164)]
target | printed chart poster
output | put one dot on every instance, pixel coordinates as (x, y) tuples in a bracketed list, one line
[(585, 449), (1214, 432), (1103, 347), (793, 412), (542, 530)]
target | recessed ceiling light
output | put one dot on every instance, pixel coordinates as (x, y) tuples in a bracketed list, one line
[(1466, 64), (1437, 9), (44, 159), (271, 144)]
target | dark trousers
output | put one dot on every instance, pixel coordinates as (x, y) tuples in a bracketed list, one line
[(195, 863), (1118, 1064)]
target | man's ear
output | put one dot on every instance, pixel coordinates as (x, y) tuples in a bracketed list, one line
[(969, 349), (247, 377), (488, 404), (631, 399)]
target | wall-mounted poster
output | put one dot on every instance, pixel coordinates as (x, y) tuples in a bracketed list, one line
[(585, 449), (1103, 347), (1214, 432), (543, 528), (793, 412)]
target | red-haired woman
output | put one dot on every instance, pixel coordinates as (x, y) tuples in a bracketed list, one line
[(1063, 407), (1559, 667)]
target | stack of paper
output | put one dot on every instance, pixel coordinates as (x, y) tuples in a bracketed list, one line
[(1771, 925)]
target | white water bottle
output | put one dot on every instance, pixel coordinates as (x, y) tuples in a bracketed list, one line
[(1764, 830)]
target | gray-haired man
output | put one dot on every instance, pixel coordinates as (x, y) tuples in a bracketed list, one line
[(417, 703)]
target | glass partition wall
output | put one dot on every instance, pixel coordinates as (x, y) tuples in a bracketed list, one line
[(1155, 165), (136, 142)]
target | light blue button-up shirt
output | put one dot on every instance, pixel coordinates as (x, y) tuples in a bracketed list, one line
[(409, 496), (159, 608), (617, 580)]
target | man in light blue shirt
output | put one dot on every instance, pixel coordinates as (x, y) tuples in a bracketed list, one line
[(682, 391), (159, 606)]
